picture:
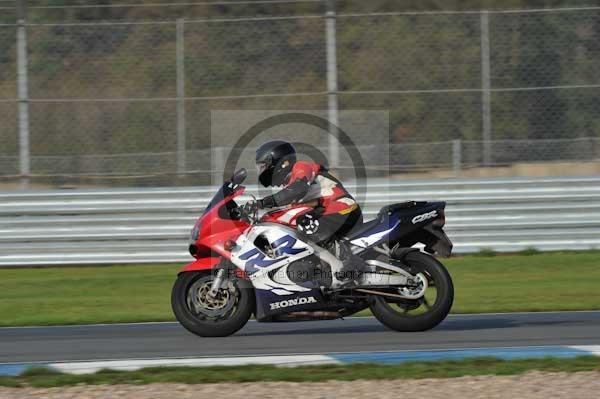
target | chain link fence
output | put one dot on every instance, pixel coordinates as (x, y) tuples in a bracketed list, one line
[(129, 102)]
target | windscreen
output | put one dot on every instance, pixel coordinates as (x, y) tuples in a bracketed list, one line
[(224, 191)]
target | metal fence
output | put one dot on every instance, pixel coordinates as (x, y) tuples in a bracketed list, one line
[(133, 98), (139, 225)]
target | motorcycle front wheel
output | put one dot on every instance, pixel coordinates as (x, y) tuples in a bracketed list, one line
[(208, 316), (425, 312)]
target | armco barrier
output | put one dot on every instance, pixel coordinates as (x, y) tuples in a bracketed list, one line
[(142, 225)]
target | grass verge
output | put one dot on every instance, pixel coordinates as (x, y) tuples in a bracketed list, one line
[(412, 370), (499, 283)]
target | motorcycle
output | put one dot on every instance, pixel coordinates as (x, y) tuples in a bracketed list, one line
[(249, 265)]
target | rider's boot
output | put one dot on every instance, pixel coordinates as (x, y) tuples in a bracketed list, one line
[(353, 266)]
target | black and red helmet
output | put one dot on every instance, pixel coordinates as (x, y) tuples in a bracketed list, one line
[(274, 162)]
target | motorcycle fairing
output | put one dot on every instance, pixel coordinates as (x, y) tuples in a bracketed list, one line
[(396, 221), (287, 216), (379, 232), (264, 253), (216, 225), (201, 264), (269, 304)]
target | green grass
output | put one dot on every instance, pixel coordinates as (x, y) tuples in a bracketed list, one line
[(486, 253), (86, 295), (500, 283), (528, 282), (412, 370)]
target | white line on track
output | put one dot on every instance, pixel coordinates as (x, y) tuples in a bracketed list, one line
[(91, 366), (594, 348)]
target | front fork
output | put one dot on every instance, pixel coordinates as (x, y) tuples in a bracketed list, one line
[(216, 283)]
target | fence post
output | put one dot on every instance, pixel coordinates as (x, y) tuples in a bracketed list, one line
[(486, 86), (456, 156), (23, 94), (181, 146), (332, 85)]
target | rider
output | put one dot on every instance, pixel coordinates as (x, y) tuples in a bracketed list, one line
[(334, 211)]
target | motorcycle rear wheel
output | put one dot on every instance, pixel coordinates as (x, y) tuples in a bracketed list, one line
[(211, 317), (396, 314)]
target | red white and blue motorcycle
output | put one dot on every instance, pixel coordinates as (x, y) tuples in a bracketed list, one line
[(246, 265)]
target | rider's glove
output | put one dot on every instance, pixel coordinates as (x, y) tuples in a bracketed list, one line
[(267, 202)]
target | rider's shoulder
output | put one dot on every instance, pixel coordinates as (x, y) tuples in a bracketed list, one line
[(306, 168)]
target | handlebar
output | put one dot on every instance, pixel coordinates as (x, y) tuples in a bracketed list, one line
[(247, 213)]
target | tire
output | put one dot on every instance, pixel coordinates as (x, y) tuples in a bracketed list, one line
[(207, 321), (388, 315)]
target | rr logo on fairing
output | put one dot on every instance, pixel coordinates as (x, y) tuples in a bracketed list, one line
[(293, 302), (255, 259), (424, 217)]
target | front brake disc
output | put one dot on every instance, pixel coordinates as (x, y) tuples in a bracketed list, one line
[(205, 304)]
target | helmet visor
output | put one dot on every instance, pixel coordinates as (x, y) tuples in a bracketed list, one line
[(261, 167)]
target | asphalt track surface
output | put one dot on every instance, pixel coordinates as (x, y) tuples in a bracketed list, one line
[(162, 340)]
